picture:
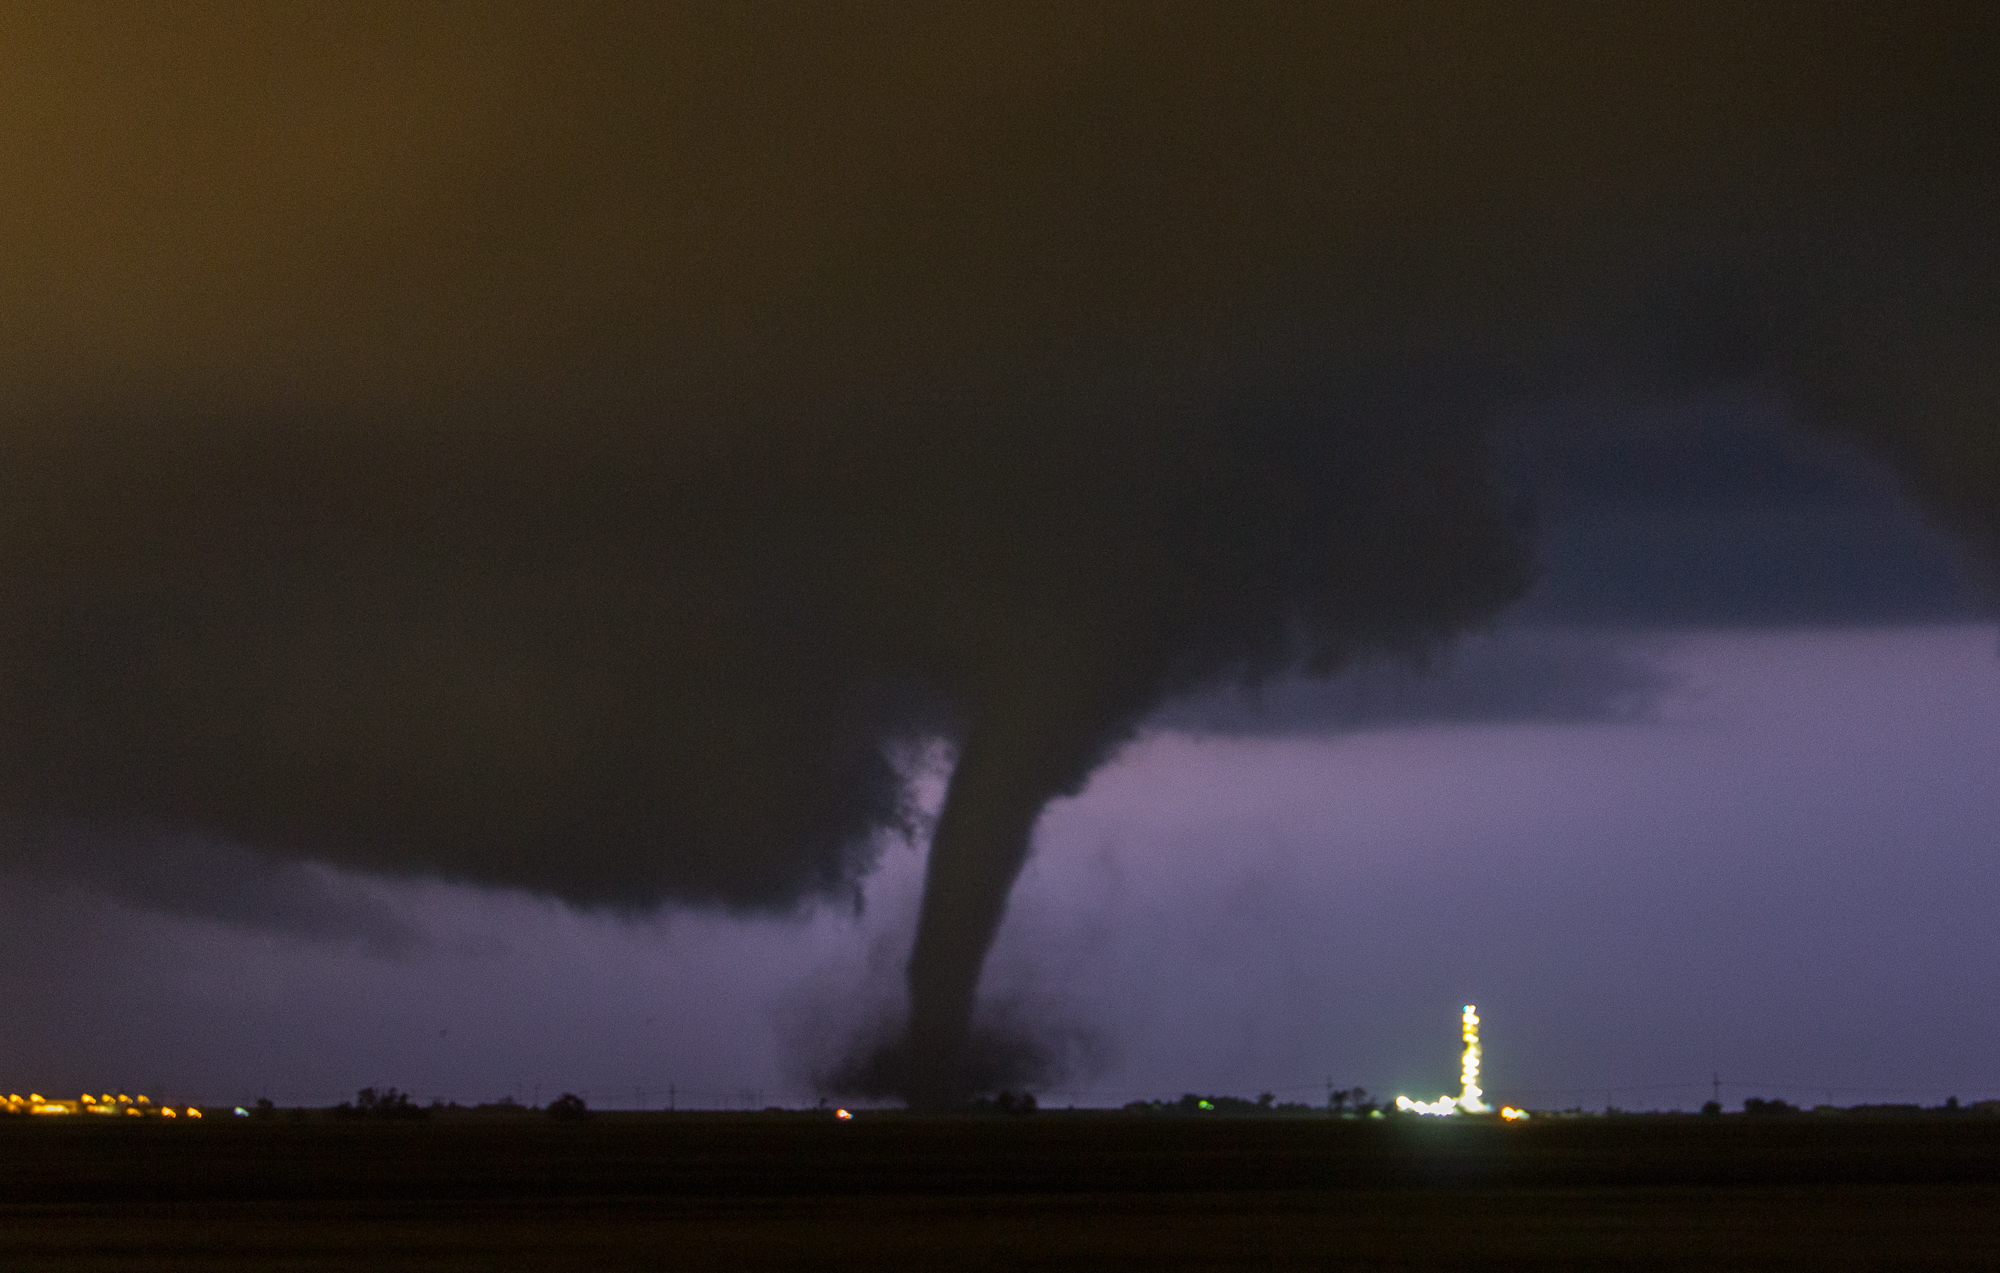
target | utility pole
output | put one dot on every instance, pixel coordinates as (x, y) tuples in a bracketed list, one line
[(670, 1098), (1715, 1079)]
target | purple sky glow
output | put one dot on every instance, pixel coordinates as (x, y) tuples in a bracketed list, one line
[(1783, 871)]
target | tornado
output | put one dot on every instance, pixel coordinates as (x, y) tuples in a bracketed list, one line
[(981, 843), (1012, 761)]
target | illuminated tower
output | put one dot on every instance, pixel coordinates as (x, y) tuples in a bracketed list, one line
[(1468, 1100), (1468, 1070)]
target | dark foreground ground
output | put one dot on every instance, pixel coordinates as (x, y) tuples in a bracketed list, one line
[(1046, 1191)]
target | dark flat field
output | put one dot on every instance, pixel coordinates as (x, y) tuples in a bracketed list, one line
[(1048, 1191)]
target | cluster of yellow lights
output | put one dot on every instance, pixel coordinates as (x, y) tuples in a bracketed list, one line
[(1469, 1099), (132, 1106)]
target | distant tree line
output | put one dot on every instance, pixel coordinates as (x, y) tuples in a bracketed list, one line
[(386, 1104), (1195, 1104), (391, 1104), (1006, 1103)]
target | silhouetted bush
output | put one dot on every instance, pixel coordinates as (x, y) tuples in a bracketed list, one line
[(1352, 1100), (569, 1107), (1757, 1107)]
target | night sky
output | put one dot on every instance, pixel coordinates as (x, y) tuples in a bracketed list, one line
[(637, 546)]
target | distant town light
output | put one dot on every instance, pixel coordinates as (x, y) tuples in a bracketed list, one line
[(101, 1104)]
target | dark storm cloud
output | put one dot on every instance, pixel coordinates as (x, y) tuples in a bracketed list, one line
[(197, 877), (1716, 511), (1514, 675), (557, 450)]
